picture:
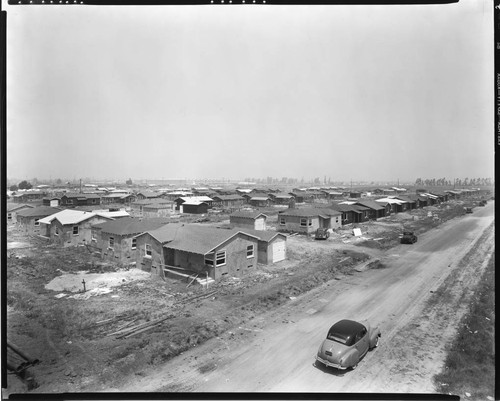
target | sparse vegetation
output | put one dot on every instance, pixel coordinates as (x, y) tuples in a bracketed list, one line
[(470, 364)]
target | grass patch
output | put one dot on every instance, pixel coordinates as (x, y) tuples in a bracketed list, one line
[(470, 364)]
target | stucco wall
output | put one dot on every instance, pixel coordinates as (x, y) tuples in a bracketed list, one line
[(26, 225), (121, 251), (150, 264), (66, 236)]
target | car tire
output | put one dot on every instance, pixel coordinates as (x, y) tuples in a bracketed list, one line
[(376, 342), (353, 367)]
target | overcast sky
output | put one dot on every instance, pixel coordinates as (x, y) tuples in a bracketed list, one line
[(350, 92)]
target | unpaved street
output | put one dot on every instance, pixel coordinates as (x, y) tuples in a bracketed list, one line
[(417, 300)]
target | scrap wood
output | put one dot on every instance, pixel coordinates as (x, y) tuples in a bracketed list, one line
[(143, 330), (201, 296), (129, 330), (123, 327)]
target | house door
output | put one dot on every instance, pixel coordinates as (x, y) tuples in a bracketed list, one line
[(279, 251)]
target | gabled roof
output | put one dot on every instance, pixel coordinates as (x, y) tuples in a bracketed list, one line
[(153, 201), (263, 235), (202, 198), (11, 207), (149, 194), (70, 216), (201, 239), (131, 226), (229, 197), (369, 203), (390, 200), (38, 211), (81, 196), (309, 212), (247, 215), (348, 208)]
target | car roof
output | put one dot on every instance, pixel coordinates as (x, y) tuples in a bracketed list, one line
[(347, 327)]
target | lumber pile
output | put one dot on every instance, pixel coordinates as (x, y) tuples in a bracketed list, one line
[(128, 330)]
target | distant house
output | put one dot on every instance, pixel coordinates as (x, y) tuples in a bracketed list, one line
[(147, 195), (228, 201), (72, 200), (375, 210), (116, 239), (28, 196), (259, 200), (280, 198), (118, 198), (28, 220), (194, 207), (199, 250), (13, 209), (192, 199), (395, 205), (158, 209), (308, 220), (351, 213), (137, 207), (420, 201), (252, 220), (409, 204), (298, 196), (71, 227), (53, 201)]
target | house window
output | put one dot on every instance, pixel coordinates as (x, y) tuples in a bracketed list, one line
[(148, 250), (75, 230), (56, 232), (37, 223), (309, 222), (9, 216), (336, 220), (93, 200), (69, 201), (220, 258), (111, 242), (249, 251), (93, 236), (134, 243), (282, 221), (303, 222)]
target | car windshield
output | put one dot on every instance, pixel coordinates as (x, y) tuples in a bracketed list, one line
[(339, 337)]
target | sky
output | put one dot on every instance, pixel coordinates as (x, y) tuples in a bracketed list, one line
[(348, 92)]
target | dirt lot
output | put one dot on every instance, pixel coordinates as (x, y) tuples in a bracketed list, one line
[(70, 334)]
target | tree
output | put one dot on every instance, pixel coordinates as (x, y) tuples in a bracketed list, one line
[(58, 181), (13, 188), (25, 185), (129, 181)]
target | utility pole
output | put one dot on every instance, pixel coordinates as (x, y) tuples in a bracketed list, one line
[(80, 185)]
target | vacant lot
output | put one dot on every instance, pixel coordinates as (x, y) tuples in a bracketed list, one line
[(71, 332)]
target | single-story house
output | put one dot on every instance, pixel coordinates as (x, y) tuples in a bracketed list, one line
[(196, 249), (28, 220), (147, 195), (410, 203), (137, 207), (351, 213), (442, 196), (245, 219), (116, 239), (118, 198), (160, 209), (201, 199), (28, 196), (228, 201), (396, 205), (280, 198), (376, 210), (72, 200), (298, 196), (71, 227), (13, 209), (258, 200), (420, 201), (53, 201), (194, 207), (308, 220)]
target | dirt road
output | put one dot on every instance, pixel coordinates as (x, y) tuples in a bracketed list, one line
[(417, 301)]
